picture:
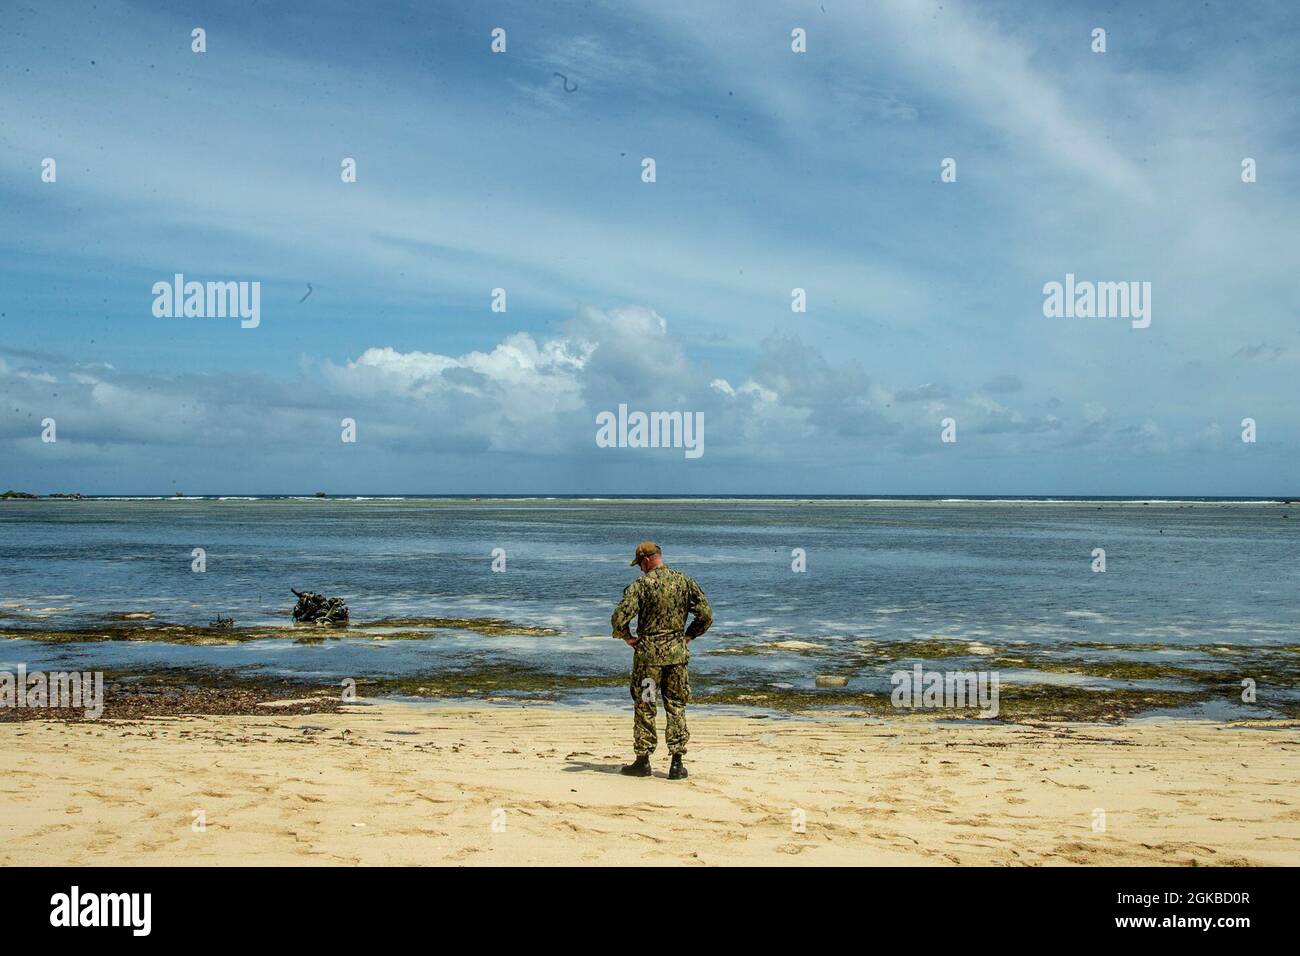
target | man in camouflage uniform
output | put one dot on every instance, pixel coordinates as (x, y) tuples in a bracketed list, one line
[(660, 600)]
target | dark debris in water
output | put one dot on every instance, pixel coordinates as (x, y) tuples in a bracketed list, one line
[(313, 608), (225, 630)]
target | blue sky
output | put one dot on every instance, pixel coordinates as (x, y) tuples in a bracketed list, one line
[(775, 170)]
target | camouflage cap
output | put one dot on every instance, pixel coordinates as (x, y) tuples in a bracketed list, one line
[(644, 550)]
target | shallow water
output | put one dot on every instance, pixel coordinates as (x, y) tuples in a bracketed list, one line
[(997, 573)]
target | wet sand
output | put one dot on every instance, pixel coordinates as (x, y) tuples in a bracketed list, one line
[(393, 783)]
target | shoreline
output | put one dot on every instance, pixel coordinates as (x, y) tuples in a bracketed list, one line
[(163, 692), (1080, 680), (905, 500), (394, 784)]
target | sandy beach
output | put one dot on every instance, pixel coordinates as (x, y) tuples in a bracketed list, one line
[(391, 783)]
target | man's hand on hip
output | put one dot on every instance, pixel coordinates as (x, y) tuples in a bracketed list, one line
[(630, 641)]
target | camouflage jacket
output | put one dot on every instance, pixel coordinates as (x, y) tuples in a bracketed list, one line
[(660, 601)]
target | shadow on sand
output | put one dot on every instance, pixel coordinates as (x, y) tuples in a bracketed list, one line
[(585, 766)]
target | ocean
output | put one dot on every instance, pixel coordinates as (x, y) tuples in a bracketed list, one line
[(1185, 582)]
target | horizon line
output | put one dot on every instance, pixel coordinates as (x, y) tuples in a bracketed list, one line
[(953, 496)]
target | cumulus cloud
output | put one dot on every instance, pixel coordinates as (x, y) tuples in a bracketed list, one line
[(531, 398), (510, 397)]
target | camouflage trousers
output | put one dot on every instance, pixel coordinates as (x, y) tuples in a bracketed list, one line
[(670, 683)]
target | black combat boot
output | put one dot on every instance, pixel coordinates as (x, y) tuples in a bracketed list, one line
[(677, 771), (641, 768)]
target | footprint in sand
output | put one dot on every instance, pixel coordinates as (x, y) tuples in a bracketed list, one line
[(794, 849)]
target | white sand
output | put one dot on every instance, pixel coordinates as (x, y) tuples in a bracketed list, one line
[(401, 784)]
